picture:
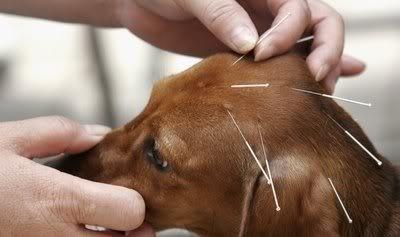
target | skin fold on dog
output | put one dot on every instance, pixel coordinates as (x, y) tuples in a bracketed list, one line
[(192, 167)]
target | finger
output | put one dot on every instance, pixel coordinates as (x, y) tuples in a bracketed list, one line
[(227, 20), (351, 66), (166, 9), (329, 83), (286, 35), (327, 47), (144, 230), (46, 136), (348, 66), (97, 204)]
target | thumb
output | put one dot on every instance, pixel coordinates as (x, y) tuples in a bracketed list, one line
[(47, 136), (82, 202), (99, 204), (227, 20)]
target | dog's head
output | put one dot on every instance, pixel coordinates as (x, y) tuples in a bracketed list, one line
[(191, 165)]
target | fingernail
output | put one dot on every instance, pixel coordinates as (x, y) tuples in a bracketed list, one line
[(322, 72), (96, 130), (354, 60), (243, 39), (360, 63)]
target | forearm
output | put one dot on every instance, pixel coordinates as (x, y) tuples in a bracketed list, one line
[(93, 12)]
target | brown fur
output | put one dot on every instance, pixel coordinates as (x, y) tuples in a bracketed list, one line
[(211, 171)]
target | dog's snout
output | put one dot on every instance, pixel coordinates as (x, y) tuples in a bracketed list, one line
[(66, 164), (83, 165)]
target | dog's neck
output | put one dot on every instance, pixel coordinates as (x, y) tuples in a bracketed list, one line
[(317, 213), (314, 219)]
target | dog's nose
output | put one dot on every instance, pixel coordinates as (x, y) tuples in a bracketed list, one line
[(86, 165), (66, 164)]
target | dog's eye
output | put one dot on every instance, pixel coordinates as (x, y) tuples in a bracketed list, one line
[(154, 156)]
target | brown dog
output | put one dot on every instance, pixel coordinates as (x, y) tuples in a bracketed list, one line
[(188, 160)]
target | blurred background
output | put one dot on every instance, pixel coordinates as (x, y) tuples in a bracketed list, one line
[(105, 75)]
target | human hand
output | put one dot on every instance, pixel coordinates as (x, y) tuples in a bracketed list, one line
[(203, 27), (41, 201)]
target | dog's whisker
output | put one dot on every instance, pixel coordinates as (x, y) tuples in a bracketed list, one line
[(340, 201), (265, 35), (333, 97), (311, 37), (278, 208), (249, 147), (356, 141), (250, 85)]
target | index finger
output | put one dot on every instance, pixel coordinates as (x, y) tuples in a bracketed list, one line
[(47, 136), (287, 34)]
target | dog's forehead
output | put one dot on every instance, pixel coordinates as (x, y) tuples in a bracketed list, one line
[(198, 98), (204, 91), (210, 81), (218, 71)]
